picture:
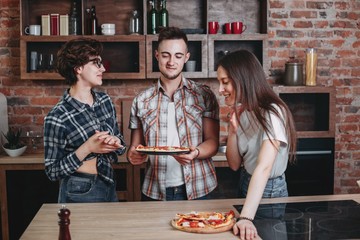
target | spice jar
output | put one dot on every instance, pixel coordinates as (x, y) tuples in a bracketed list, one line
[(311, 63)]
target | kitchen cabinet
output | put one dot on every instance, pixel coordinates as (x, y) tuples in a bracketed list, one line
[(124, 54), (313, 109)]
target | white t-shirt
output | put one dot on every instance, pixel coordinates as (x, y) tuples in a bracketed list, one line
[(250, 140), (174, 171)]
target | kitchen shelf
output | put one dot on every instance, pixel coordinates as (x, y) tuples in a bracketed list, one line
[(123, 55), (313, 109), (126, 53), (219, 43)]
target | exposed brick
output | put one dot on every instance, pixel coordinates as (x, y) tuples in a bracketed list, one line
[(343, 24), (276, 4), (321, 24), (343, 5), (279, 15), (289, 34), (50, 101), (303, 14), (303, 24), (319, 5)]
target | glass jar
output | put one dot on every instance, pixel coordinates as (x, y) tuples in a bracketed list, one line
[(134, 24), (311, 64)]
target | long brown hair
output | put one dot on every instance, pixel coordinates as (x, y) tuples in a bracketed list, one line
[(254, 93)]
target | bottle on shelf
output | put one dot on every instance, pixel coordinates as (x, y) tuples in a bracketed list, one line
[(163, 15), (51, 63), (153, 19), (134, 24), (311, 64), (87, 25), (94, 22), (40, 65), (74, 21)]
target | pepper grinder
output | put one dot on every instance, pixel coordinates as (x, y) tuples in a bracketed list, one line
[(64, 222)]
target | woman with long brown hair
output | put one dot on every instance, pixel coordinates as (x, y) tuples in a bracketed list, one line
[(261, 136)]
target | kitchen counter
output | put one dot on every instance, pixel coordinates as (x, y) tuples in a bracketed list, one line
[(140, 220)]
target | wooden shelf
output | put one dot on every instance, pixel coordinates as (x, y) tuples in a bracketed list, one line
[(313, 109), (218, 43), (126, 53), (116, 47)]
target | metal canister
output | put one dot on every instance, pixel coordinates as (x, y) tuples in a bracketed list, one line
[(293, 74)]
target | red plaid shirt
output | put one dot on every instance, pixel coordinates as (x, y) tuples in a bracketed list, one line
[(193, 102)]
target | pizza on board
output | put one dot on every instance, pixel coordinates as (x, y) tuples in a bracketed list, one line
[(204, 222)]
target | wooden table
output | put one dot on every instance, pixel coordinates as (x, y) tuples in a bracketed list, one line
[(139, 220)]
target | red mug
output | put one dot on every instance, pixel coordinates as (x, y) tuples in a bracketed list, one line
[(227, 28), (238, 27), (213, 27)]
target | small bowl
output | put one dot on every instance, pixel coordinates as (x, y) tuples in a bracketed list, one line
[(15, 152)]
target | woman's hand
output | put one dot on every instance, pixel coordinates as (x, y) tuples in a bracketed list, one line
[(102, 142), (245, 229), (233, 123)]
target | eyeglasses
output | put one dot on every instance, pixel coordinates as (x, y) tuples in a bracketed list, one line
[(97, 62)]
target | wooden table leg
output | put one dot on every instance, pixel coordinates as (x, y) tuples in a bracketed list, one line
[(3, 204)]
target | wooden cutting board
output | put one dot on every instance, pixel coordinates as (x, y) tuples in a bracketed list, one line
[(3, 118)]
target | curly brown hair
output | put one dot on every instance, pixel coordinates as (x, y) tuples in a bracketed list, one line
[(76, 53)]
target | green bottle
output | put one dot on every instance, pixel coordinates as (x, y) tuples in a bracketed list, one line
[(153, 19), (164, 15)]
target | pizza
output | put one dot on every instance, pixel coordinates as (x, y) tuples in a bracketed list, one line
[(204, 222), (162, 149)]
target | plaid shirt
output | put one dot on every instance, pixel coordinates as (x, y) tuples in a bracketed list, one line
[(149, 111), (68, 125)]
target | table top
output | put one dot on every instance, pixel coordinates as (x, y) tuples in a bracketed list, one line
[(140, 220)]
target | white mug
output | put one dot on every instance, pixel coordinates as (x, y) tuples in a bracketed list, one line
[(190, 66), (33, 30), (108, 28), (108, 31), (108, 25)]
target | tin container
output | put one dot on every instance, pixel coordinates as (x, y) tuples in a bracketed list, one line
[(293, 74)]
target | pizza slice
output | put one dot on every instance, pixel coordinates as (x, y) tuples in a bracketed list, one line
[(204, 222)]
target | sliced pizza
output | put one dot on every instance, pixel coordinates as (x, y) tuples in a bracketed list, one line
[(204, 222)]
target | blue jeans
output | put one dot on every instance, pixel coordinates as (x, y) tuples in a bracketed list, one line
[(275, 187), (174, 194), (86, 188)]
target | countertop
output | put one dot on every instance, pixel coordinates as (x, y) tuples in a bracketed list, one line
[(36, 158), (140, 220)]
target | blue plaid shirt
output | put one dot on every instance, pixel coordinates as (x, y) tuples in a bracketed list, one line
[(68, 125)]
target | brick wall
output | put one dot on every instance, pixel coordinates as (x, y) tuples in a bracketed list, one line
[(333, 27)]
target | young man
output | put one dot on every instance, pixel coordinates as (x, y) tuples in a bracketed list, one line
[(81, 134), (175, 112)]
